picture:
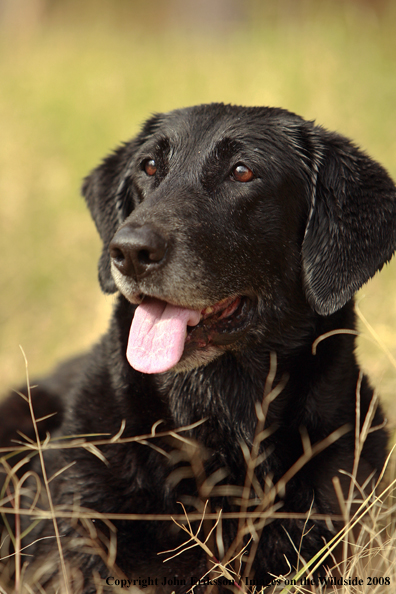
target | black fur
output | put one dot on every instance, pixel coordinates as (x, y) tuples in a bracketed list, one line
[(315, 222)]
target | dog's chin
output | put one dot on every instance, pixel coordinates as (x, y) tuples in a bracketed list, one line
[(221, 329), (195, 359)]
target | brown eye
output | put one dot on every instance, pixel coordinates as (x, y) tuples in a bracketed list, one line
[(241, 173), (150, 167)]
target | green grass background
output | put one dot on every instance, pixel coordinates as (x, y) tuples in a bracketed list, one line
[(80, 77)]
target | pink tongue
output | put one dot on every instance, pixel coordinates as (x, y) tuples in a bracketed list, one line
[(157, 335)]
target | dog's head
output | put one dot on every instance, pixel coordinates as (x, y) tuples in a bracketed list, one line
[(215, 212)]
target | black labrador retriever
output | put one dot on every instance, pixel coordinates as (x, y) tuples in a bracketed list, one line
[(236, 237)]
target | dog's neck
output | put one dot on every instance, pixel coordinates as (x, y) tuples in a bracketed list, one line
[(213, 391)]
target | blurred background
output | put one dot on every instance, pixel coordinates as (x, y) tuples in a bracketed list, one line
[(77, 78)]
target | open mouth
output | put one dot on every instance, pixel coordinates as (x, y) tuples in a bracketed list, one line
[(217, 321), (162, 333)]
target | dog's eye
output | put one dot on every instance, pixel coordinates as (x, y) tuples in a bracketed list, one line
[(150, 167), (241, 173)]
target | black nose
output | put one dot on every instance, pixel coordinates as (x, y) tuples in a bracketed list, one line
[(136, 250)]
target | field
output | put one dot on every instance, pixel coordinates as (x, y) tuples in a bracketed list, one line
[(74, 85), (71, 90)]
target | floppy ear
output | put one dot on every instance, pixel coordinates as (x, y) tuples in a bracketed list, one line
[(108, 191), (351, 230), (100, 190)]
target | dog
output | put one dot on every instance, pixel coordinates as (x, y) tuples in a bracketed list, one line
[(227, 382)]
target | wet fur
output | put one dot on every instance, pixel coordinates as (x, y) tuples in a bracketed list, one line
[(315, 224)]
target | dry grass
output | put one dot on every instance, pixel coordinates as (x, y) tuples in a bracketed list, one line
[(71, 89), (361, 556)]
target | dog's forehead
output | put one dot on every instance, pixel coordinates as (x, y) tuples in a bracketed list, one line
[(212, 122), (203, 128), (205, 120)]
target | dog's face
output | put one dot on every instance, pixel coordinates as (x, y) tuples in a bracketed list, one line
[(215, 217)]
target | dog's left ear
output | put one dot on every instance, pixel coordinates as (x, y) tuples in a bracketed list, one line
[(351, 230)]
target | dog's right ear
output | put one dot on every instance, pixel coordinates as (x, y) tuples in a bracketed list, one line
[(108, 193), (100, 190)]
